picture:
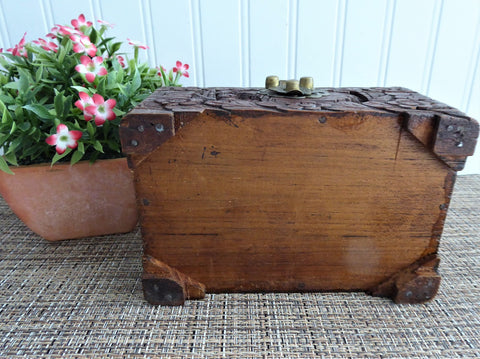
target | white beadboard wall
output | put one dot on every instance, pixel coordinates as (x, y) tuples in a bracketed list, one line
[(430, 46)]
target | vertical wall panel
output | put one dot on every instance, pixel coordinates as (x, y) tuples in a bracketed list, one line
[(172, 29), (269, 23), (386, 42), (66, 10), (245, 42), (31, 21), (363, 42), (339, 39), (473, 109), (127, 20), (292, 39), (47, 14), (456, 40), (409, 44), (221, 42), (4, 41), (316, 40)]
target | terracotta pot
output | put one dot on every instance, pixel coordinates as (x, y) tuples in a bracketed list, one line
[(64, 202)]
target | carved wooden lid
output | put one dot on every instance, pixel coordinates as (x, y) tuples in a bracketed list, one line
[(448, 132)]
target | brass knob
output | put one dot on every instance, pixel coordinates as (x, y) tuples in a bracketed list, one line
[(271, 82), (306, 82), (292, 85), (292, 88)]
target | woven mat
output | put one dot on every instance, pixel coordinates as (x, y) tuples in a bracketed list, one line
[(83, 298)]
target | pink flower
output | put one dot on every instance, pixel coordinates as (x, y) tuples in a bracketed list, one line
[(106, 24), (52, 34), (101, 109), (137, 44), (81, 23), (121, 60), (83, 44), (91, 67), (181, 69), (19, 49), (159, 73), (83, 103), (64, 138), (48, 46), (63, 31)]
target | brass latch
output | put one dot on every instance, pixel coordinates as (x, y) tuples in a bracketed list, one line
[(304, 87)]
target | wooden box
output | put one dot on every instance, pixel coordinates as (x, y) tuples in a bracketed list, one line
[(246, 190)]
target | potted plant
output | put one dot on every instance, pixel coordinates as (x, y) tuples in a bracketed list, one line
[(61, 102)]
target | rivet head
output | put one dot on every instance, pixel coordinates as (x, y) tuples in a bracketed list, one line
[(134, 143), (159, 127), (460, 144), (450, 128), (306, 82), (271, 81), (140, 128), (292, 85)]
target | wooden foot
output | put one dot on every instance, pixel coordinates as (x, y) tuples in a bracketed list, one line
[(418, 283), (164, 285)]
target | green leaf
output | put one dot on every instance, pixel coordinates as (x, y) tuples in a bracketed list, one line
[(81, 89), (13, 128), (122, 89), (113, 145), (67, 105), (59, 102), (137, 82), (40, 111), (64, 49), (4, 166), (4, 63), (36, 134), (81, 147), (19, 116), (98, 146), (90, 129), (104, 41), (3, 138), (6, 99), (118, 112), (115, 47), (39, 74), (93, 35), (101, 85), (24, 126), (93, 157), (14, 144), (77, 156), (11, 158), (6, 117), (58, 157), (12, 85), (23, 80)]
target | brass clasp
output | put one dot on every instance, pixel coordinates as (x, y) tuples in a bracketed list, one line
[(304, 87)]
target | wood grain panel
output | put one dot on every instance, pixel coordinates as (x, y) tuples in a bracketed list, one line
[(288, 203)]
